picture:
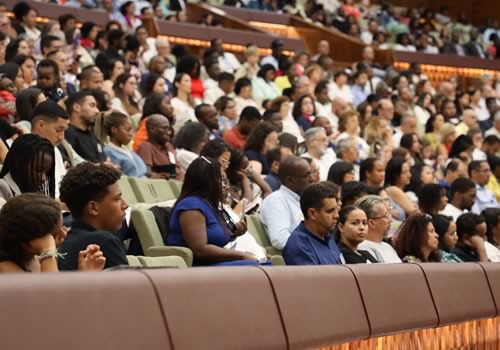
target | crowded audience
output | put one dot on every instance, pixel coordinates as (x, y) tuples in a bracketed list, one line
[(333, 166)]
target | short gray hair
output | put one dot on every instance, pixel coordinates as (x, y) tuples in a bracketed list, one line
[(311, 133), (343, 145), (368, 203)]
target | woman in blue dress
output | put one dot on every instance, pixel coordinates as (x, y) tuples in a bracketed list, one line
[(199, 222), (118, 127)]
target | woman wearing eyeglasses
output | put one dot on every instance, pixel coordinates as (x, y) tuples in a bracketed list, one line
[(199, 222), (417, 240)]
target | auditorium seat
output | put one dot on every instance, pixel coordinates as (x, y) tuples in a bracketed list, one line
[(133, 261), (215, 308), (127, 191), (162, 190), (142, 190), (176, 187), (493, 275), (392, 307), (162, 261), (320, 305), (460, 292), (81, 311), (151, 239), (257, 230)]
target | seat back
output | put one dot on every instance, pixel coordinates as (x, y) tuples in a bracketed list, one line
[(493, 275), (142, 190), (176, 187), (214, 302), (308, 296), (147, 230), (163, 261), (257, 230), (161, 190), (133, 261), (81, 311), (127, 191)]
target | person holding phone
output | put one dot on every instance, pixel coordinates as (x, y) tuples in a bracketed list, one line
[(199, 222), (157, 152)]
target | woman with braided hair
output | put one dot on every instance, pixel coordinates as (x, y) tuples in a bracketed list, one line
[(29, 167)]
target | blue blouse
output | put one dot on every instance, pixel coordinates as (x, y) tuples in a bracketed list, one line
[(216, 233), (130, 163)]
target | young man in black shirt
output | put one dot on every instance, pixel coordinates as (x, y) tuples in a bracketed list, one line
[(92, 195), (471, 231), (82, 108)]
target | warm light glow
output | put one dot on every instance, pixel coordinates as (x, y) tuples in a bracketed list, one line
[(481, 335)]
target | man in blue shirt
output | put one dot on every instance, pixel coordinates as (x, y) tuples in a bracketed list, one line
[(311, 242)]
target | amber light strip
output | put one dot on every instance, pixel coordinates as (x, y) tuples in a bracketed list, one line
[(446, 70), (279, 29), (477, 335)]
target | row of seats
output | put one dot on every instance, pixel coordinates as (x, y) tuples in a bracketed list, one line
[(241, 307), (160, 261), (149, 191)]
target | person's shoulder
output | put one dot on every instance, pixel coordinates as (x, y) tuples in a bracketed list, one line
[(191, 202), (145, 146)]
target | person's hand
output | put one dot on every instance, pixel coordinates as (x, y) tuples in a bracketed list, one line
[(43, 244), (91, 259), (165, 176), (476, 242), (108, 162), (242, 175), (241, 228), (248, 256), (61, 235)]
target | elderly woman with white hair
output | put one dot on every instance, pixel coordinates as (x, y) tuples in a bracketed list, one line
[(318, 149)]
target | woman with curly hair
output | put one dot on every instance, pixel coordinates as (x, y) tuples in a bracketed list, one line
[(418, 241)]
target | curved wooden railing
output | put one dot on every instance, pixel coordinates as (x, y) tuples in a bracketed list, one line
[(395, 306)]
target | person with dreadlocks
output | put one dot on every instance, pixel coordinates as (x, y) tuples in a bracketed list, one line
[(28, 167)]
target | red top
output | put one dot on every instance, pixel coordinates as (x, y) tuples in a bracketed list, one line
[(235, 139), (197, 88)]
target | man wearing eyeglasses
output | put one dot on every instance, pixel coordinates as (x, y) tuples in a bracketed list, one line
[(379, 221), (479, 173)]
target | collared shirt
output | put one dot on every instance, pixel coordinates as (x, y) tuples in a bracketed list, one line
[(280, 214), (80, 236), (454, 212), (484, 199), (305, 248), (234, 138), (85, 143), (383, 252), (273, 181), (324, 163), (358, 95)]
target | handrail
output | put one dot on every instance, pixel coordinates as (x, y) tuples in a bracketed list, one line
[(282, 307)]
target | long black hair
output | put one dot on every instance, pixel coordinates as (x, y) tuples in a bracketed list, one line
[(203, 178), (393, 171), (492, 218), (25, 162)]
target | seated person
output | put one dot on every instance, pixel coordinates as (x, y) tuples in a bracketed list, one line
[(157, 151), (274, 157), (28, 167), (447, 231), (379, 223), (237, 136), (352, 229), (118, 127), (189, 142), (311, 242), (352, 191), (492, 218), (92, 195), (417, 241), (280, 212), (32, 246), (261, 139), (199, 223), (471, 231), (48, 80), (463, 195)]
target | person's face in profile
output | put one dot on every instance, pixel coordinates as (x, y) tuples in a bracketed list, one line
[(110, 211)]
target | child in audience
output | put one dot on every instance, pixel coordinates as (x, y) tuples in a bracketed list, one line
[(31, 231), (447, 231)]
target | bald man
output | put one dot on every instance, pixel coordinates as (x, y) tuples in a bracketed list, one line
[(157, 152), (323, 49), (280, 211)]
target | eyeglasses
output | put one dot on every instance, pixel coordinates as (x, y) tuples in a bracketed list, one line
[(385, 216)]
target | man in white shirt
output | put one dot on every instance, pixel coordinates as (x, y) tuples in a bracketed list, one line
[(379, 221), (280, 211), (408, 126), (463, 196), (277, 50), (225, 87), (50, 121), (322, 50), (495, 130), (479, 173), (317, 148), (227, 61)]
